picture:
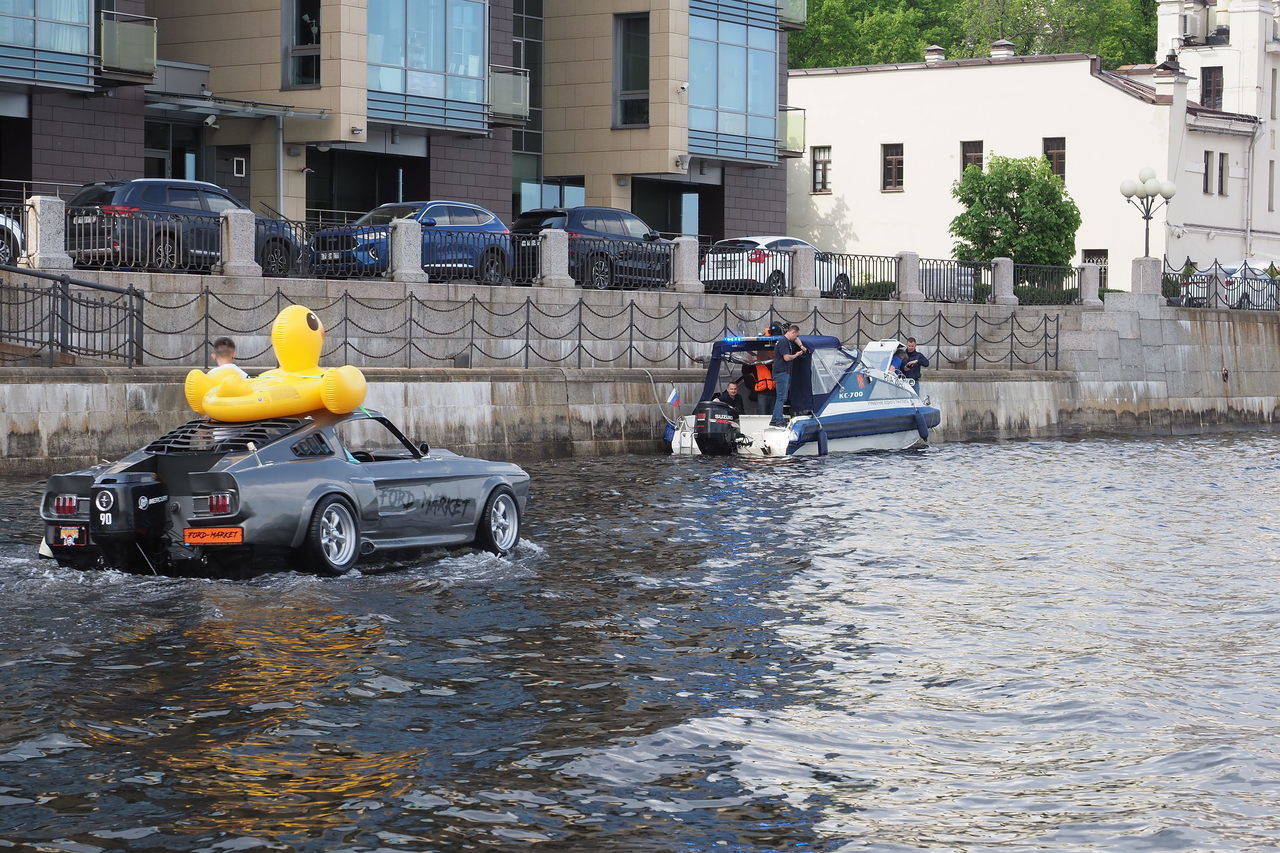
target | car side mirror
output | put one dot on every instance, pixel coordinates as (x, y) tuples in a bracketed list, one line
[(428, 220), (652, 235), (424, 449)]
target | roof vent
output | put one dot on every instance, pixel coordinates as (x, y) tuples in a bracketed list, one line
[(934, 54), (1002, 49)]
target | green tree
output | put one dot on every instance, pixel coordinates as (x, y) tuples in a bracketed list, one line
[(1017, 208), (1119, 32), (870, 32)]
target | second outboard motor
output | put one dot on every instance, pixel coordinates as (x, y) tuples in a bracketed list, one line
[(715, 428)]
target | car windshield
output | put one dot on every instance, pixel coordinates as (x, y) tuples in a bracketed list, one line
[(538, 220), (385, 215), (93, 196)]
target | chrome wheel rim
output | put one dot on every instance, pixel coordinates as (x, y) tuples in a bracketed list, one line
[(274, 261), (504, 522), (166, 254), (601, 277), (337, 534), (491, 270)]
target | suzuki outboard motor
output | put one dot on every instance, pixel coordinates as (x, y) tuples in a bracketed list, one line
[(715, 428)]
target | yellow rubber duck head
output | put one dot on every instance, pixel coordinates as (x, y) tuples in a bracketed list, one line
[(298, 339)]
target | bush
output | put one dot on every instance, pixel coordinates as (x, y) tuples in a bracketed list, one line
[(1030, 295), (982, 293), (877, 290)]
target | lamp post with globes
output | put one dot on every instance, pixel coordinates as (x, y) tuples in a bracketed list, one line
[(1142, 194)]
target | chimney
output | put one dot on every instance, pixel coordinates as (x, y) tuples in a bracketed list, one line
[(933, 54), (1002, 49)]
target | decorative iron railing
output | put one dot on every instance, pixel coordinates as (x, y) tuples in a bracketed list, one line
[(955, 281), (1240, 285), (857, 276), (1034, 284), (602, 264), (64, 319)]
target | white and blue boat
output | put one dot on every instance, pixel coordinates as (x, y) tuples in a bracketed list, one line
[(841, 400)]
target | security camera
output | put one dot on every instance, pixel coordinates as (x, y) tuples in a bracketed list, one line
[(211, 121), (682, 88)]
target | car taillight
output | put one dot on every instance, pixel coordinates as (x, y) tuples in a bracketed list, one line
[(220, 503), (758, 256), (120, 209), (65, 505)]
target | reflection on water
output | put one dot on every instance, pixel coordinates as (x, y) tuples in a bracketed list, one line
[(1036, 646)]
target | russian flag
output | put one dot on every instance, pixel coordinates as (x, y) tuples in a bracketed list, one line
[(673, 399)]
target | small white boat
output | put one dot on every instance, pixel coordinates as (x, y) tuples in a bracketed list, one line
[(840, 401)]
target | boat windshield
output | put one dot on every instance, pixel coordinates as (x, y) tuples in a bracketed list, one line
[(828, 365)]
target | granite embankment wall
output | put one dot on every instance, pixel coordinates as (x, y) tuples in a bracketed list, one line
[(1134, 365)]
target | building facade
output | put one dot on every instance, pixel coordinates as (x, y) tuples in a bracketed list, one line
[(326, 108), (877, 178)]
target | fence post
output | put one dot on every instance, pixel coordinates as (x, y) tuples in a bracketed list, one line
[(528, 329), (685, 264), (909, 278), (406, 251), (1013, 337), (553, 259), (1146, 276), (679, 336), (631, 334), (139, 305), (1002, 281), (46, 234), (408, 331), (1089, 277), (579, 330), (346, 313), (204, 292), (804, 274), (239, 238), (64, 313)]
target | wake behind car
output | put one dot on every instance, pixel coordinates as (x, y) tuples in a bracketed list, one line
[(608, 247), (459, 240), (318, 490), (166, 224)]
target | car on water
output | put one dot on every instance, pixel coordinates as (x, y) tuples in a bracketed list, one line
[(316, 492)]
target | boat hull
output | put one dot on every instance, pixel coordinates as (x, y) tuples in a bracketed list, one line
[(895, 429)]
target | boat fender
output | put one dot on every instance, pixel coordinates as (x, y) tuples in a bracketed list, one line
[(921, 426), (669, 433), (822, 442)]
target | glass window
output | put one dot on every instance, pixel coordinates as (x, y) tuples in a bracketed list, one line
[(970, 155), (702, 75), (67, 11), (733, 82), (1207, 181), (1223, 172), (185, 197), (762, 83), (386, 25), (820, 168), (218, 202), (733, 70), (429, 48), (631, 70), (155, 194), (891, 167), (426, 36), (466, 37), (302, 43), (633, 226), (383, 79), (18, 7), (16, 31), (1055, 151), (1211, 87)]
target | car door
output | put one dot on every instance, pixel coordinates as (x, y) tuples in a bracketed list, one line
[(215, 203), (201, 237), (435, 238), (647, 263), (421, 498), (460, 244), (784, 249)]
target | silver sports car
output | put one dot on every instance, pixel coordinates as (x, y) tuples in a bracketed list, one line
[(320, 491)]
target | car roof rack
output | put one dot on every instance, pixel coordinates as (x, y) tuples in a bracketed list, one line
[(207, 436)]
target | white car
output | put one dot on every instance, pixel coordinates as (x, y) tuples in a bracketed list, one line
[(1250, 283), (10, 240), (762, 265)]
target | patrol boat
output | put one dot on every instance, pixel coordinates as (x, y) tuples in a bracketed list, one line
[(841, 400)]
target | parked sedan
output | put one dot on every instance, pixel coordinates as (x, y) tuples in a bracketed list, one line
[(165, 224), (459, 240), (608, 247), (320, 490), (762, 265)]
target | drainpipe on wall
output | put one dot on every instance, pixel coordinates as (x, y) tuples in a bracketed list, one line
[(1177, 135), (1248, 192), (280, 165)]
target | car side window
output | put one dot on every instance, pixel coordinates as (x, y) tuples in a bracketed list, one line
[(440, 213), (460, 216), (372, 440), (785, 243), (155, 194), (632, 226), (218, 202), (185, 197)]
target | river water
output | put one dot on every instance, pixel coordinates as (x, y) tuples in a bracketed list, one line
[(1021, 646)]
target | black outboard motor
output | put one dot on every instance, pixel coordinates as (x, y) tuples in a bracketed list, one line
[(125, 509), (715, 428)]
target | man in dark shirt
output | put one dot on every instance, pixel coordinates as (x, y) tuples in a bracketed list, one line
[(731, 397), (786, 352), (912, 362)]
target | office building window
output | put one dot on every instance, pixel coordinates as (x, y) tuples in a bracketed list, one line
[(60, 25), (429, 48), (631, 71), (1207, 183), (1211, 87), (820, 166), (891, 167), (1222, 173), (301, 44), (1055, 151), (733, 87), (970, 155)]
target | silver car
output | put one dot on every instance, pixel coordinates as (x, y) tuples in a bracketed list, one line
[(316, 492)]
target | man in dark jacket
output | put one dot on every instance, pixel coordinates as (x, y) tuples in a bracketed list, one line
[(912, 362), (788, 349), (730, 396)]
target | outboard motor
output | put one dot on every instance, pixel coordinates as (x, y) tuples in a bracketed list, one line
[(715, 428), (125, 509)]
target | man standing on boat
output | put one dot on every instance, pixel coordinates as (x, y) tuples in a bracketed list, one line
[(787, 351), (912, 362)]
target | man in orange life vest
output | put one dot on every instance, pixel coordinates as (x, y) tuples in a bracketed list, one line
[(765, 385)]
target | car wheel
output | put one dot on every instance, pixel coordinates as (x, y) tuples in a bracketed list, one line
[(276, 258), (333, 539), (164, 255), (8, 250), (1243, 303), (491, 268), (842, 289), (776, 284), (600, 272), (499, 528)]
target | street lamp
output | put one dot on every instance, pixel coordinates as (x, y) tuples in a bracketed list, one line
[(1142, 194)]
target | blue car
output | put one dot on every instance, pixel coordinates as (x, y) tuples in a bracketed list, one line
[(459, 241)]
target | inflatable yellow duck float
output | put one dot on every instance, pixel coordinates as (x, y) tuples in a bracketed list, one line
[(299, 385)]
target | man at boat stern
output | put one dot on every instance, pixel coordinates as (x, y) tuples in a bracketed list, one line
[(784, 355)]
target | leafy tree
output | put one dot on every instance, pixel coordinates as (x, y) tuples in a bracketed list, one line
[(1017, 208)]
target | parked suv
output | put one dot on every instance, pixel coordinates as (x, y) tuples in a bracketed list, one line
[(608, 247), (164, 224)]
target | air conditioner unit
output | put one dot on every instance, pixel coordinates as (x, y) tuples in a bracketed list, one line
[(1190, 26)]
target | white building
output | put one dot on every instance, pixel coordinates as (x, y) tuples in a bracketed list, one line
[(887, 142)]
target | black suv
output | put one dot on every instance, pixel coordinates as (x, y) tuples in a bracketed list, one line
[(165, 224), (608, 247)]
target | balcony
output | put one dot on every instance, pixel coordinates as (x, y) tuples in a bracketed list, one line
[(128, 49), (508, 96), (793, 14), (791, 132)]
